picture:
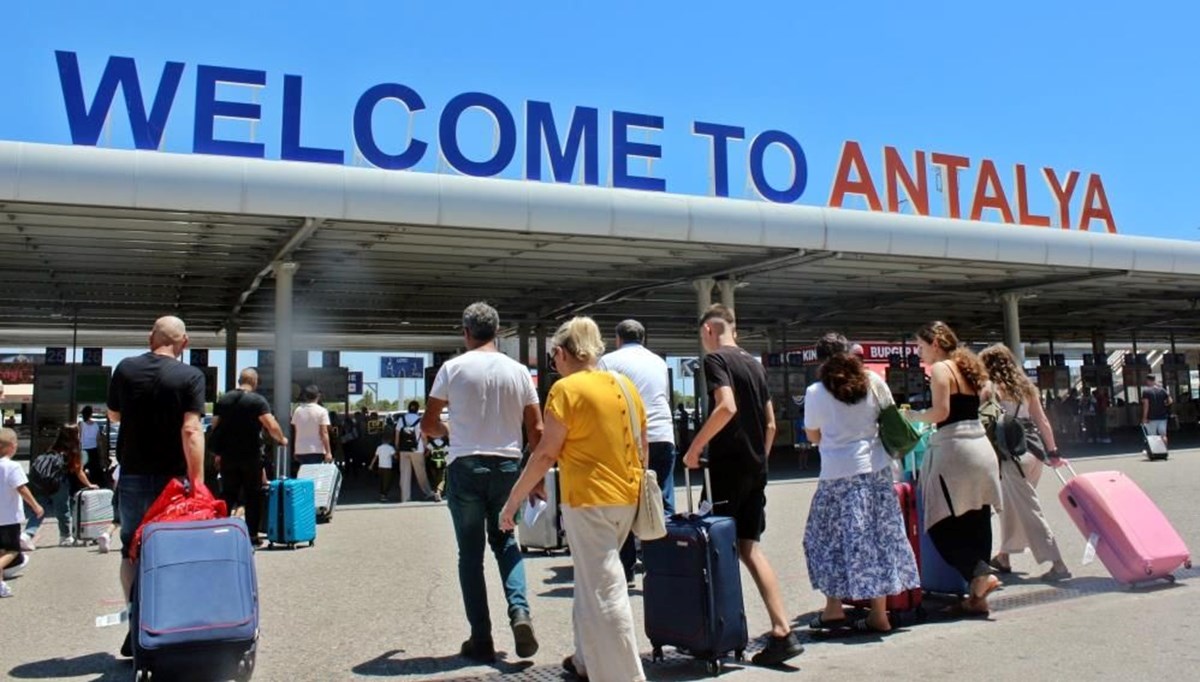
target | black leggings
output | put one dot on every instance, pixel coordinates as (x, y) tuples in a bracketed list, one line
[(965, 541)]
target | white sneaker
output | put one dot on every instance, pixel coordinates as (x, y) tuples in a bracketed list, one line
[(27, 544), (5, 590), (66, 542), (16, 569), (102, 543)]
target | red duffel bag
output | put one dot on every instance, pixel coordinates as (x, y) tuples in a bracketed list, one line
[(180, 502)]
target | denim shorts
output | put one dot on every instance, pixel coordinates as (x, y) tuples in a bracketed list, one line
[(137, 492)]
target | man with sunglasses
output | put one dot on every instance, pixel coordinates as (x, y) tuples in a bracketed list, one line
[(490, 397)]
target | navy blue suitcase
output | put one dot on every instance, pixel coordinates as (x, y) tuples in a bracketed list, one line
[(292, 512), (937, 576), (194, 610), (692, 590)]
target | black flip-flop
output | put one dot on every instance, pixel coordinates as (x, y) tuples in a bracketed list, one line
[(863, 627), (819, 623)]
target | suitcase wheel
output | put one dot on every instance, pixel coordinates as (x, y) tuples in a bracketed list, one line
[(245, 668), (712, 667), (739, 655), (1188, 564), (656, 656), (1171, 578)]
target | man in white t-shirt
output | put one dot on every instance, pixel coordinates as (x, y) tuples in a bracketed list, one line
[(649, 375), (490, 397), (310, 429), (14, 487)]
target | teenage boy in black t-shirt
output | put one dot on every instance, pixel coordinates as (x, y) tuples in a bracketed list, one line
[(739, 432), (158, 401), (239, 418)]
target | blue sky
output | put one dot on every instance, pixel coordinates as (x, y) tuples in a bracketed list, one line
[(1098, 87), (1095, 87)]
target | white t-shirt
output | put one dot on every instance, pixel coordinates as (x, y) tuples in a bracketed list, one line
[(487, 393), (850, 442), (385, 453), (12, 476), (309, 419), (648, 372), (89, 435)]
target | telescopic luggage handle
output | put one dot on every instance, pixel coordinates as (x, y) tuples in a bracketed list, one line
[(281, 458), (1066, 464), (687, 482)]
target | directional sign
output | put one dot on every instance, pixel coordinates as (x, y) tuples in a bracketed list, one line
[(356, 383), (398, 367)]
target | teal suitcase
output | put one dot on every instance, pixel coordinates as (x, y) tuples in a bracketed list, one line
[(291, 513)]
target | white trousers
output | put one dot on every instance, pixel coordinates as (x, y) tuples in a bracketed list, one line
[(606, 647), (1022, 524), (410, 463)]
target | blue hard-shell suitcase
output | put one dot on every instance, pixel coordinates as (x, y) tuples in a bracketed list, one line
[(194, 610), (291, 513), (937, 576), (692, 591)]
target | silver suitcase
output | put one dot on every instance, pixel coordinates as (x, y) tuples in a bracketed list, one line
[(327, 482), (546, 533), (93, 513)]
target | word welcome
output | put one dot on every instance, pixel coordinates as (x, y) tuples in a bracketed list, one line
[(542, 138)]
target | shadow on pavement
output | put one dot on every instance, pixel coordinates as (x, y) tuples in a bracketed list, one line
[(103, 664), (389, 665)]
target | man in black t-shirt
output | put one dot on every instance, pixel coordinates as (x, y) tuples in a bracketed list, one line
[(739, 432), (1156, 408), (158, 401), (239, 418)]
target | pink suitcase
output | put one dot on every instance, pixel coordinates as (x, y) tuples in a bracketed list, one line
[(1133, 539)]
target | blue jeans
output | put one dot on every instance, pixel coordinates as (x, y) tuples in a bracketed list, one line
[(58, 504), (662, 463), (477, 488), (136, 492)]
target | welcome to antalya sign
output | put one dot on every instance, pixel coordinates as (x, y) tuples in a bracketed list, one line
[(558, 156)]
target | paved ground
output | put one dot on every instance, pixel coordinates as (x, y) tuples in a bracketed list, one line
[(378, 598)]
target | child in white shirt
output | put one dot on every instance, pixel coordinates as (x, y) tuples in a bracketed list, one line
[(14, 487), (385, 457)]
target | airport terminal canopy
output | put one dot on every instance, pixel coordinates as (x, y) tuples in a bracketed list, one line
[(112, 238)]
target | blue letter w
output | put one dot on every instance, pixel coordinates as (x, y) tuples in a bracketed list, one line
[(86, 125)]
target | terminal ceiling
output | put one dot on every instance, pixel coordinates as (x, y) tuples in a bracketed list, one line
[(366, 283), (71, 252)]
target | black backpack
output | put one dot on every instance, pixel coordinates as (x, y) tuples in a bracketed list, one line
[(1006, 432), (46, 472), (407, 437)]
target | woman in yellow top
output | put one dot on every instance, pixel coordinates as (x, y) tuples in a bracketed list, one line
[(589, 433)]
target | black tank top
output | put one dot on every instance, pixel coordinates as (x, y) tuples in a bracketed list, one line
[(963, 407)]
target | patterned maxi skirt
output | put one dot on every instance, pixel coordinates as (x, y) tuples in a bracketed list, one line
[(854, 542)]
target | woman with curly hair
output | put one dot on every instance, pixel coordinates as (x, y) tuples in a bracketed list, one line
[(74, 478), (1022, 524), (961, 475), (854, 541)]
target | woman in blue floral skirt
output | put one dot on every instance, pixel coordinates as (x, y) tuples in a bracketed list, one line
[(854, 542)]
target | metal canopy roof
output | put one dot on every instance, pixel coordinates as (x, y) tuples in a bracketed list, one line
[(390, 259)]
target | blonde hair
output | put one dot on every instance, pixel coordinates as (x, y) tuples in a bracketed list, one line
[(580, 338), (1006, 374)]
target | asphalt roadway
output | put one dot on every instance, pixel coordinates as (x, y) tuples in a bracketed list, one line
[(377, 597)]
